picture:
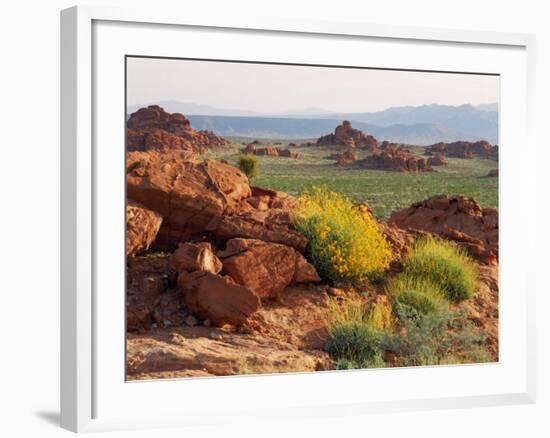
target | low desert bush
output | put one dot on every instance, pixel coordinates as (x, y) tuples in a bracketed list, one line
[(435, 338), (356, 331), (380, 314), (249, 165), (345, 243), (420, 294), (345, 364), (443, 264), (350, 310), (355, 342)]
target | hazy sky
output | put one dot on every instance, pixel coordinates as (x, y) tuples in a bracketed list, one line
[(281, 88)]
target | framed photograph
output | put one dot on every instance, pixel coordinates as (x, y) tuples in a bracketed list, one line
[(290, 218)]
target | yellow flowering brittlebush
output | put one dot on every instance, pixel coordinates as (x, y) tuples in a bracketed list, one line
[(345, 242)]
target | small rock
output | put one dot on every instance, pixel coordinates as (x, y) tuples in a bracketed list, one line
[(335, 292), (191, 321), (192, 257), (214, 335), (177, 339), (167, 323), (206, 323)]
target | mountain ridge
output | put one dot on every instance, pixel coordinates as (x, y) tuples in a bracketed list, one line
[(301, 128), (422, 125)]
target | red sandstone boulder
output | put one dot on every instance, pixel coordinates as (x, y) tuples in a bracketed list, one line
[(371, 144), (438, 160), (457, 218), (400, 240), (346, 158), (142, 226), (266, 268), (287, 153), (186, 193), (475, 246), (192, 257), (304, 271), (269, 218), (269, 226), (216, 298)]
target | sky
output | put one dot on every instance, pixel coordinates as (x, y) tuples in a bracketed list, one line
[(283, 88)]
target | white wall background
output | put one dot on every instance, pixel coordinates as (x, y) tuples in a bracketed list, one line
[(29, 215)]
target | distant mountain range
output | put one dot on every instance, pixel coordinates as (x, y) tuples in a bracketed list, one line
[(420, 125)]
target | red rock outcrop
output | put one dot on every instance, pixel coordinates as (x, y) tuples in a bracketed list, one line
[(464, 149), (154, 117), (370, 143), (270, 151), (268, 217), (438, 160), (217, 298), (456, 218), (208, 200), (186, 193), (270, 226), (266, 268), (346, 158), (211, 203), (142, 226), (346, 135), (395, 158), (152, 128)]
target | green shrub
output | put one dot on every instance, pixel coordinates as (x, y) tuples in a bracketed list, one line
[(417, 300), (354, 337), (430, 332), (355, 342), (435, 338), (443, 264), (345, 242), (249, 165), (345, 364), (418, 293)]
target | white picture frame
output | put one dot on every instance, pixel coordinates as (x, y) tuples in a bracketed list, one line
[(92, 42)]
